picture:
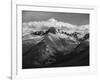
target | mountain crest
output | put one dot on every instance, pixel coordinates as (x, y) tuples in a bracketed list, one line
[(52, 20)]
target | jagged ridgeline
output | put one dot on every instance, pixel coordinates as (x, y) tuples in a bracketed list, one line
[(53, 43)]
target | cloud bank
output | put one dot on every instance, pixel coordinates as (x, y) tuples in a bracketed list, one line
[(44, 25)]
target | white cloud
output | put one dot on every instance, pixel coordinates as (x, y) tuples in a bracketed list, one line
[(43, 25)]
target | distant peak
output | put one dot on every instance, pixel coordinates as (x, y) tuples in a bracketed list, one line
[(52, 20)]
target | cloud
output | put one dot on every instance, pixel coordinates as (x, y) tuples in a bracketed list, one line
[(44, 25)]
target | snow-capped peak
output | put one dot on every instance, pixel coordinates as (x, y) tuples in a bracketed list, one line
[(52, 20)]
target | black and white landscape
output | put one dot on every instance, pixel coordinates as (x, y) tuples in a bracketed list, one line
[(54, 39)]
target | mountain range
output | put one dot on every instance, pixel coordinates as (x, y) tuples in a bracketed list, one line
[(55, 47)]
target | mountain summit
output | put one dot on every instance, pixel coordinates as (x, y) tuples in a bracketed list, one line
[(52, 20)]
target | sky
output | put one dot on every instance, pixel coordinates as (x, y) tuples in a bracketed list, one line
[(72, 18)]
